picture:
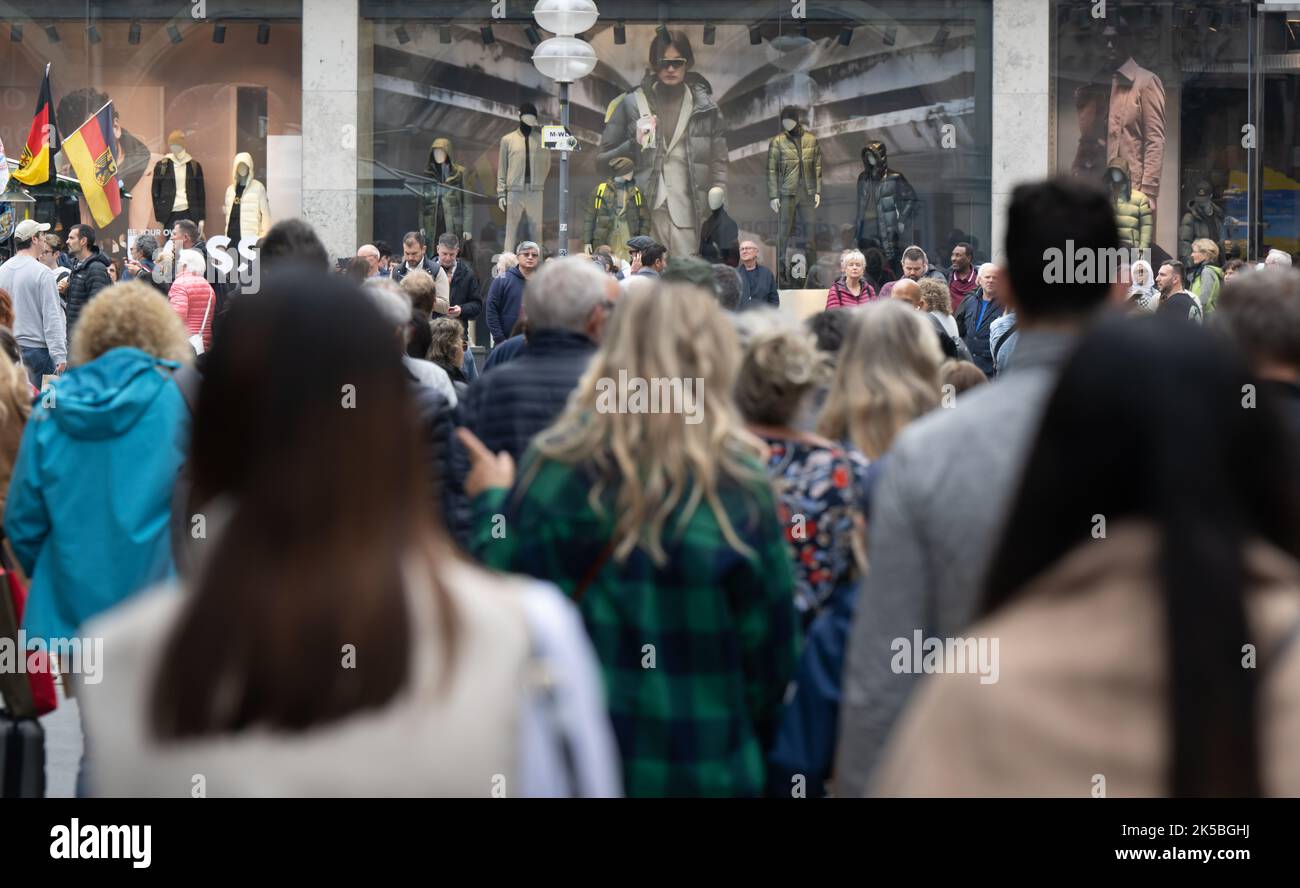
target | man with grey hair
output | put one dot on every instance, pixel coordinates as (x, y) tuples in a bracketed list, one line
[(370, 253), (976, 316), (1260, 312), (505, 298), (568, 302), (727, 286), (395, 307), (1277, 259)]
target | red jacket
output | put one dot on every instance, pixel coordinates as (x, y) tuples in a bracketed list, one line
[(959, 288), (190, 297), (840, 296)]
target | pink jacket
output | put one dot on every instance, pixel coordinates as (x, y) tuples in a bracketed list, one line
[(190, 296), (840, 296)]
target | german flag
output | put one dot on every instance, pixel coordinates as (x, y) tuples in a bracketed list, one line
[(90, 151), (36, 164)]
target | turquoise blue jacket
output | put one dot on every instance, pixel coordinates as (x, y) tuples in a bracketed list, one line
[(90, 500)]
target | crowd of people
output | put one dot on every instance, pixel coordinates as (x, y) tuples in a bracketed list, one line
[(670, 540)]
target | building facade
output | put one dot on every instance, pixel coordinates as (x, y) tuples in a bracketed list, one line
[(339, 104)]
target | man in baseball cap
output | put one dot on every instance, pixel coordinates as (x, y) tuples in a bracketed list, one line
[(39, 326)]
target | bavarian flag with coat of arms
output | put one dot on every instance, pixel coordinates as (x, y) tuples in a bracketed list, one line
[(90, 150)]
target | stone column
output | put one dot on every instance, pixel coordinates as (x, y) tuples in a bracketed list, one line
[(330, 122), (1021, 102)]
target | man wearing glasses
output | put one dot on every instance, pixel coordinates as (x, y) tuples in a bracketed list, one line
[(671, 129), (505, 300)]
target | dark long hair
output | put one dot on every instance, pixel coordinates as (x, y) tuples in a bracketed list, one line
[(306, 429), (1148, 421)]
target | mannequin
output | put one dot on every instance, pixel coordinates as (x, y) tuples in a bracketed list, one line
[(178, 191), (1203, 219), (719, 235), (794, 189), (245, 209), (616, 211), (886, 206), (1121, 114), (1133, 215), (444, 202), (522, 169)]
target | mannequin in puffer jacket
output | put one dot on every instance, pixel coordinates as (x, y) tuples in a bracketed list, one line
[(1132, 208), (886, 206), (246, 210)]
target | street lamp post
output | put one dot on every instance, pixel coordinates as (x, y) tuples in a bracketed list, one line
[(565, 58)]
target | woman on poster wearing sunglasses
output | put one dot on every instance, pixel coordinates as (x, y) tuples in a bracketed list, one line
[(671, 128)]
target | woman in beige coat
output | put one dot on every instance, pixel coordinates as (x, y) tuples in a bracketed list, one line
[(1140, 628)]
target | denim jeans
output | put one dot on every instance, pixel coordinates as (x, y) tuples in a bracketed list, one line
[(38, 363)]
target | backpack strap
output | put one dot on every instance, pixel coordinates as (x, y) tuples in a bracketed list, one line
[(600, 195), (1005, 336)]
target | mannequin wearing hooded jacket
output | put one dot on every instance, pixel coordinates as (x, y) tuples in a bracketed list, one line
[(522, 169), (246, 210), (1133, 214), (794, 188), (719, 235), (177, 189), (444, 201), (886, 205), (1203, 219)]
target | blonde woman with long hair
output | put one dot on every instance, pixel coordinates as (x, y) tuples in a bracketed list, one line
[(647, 502), (886, 376)]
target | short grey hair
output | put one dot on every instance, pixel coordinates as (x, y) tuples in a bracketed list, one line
[(192, 260), (1277, 259), (147, 244), (527, 245), (392, 301), (562, 294), (727, 286)]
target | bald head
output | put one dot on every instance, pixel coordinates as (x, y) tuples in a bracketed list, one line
[(370, 253), (907, 290)]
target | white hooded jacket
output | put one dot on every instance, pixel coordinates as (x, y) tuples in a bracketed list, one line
[(254, 210)]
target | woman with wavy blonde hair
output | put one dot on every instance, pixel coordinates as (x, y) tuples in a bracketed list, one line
[(887, 375), (647, 502)]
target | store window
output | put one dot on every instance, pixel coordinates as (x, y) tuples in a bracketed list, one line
[(1153, 101), (888, 101), (196, 90)]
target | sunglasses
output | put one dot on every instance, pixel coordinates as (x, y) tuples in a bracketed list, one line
[(675, 64), (527, 255)]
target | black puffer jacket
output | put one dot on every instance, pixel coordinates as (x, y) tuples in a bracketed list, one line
[(706, 143), (975, 330), (887, 204), (507, 407), (88, 277)]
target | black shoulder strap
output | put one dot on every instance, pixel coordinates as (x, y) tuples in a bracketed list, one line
[(1005, 336)]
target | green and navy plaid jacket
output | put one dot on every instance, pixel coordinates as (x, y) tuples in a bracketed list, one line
[(696, 655)]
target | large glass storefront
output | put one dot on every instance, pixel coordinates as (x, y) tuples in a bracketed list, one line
[(909, 79), (219, 81), (1192, 105)]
